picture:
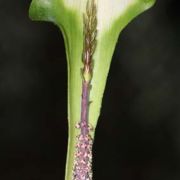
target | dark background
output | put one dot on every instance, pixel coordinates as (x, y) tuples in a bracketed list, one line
[(138, 134)]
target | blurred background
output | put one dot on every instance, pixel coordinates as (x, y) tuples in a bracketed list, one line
[(138, 134)]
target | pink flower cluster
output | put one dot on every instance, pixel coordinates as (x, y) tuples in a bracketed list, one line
[(83, 158)]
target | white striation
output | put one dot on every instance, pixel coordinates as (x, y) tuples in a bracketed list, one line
[(110, 10), (107, 10)]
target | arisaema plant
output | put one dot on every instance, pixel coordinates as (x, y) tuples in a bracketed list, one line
[(90, 29)]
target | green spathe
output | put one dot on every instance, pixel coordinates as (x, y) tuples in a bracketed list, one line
[(112, 16)]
